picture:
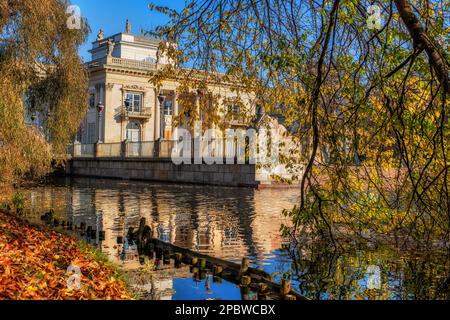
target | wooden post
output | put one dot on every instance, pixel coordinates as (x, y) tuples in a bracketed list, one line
[(246, 281), (145, 238), (217, 270), (89, 231), (196, 273), (202, 264), (244, 267), (146, 234), (285, 288), (245, 293), (263, 296), (141, 229), (262, 288), (166, 259), (178, 259), (208, 282), (150, 249), (159, 252)]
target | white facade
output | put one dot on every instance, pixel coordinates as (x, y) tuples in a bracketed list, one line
[(119, 80)]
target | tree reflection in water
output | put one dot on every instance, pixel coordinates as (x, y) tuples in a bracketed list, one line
[(322, 272), (231, 223)]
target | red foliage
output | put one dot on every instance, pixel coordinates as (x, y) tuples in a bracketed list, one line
[(34, 262)]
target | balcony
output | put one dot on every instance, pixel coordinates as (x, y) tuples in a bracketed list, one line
[(124, 150), (133, 64), (123, 64), (143, 113)]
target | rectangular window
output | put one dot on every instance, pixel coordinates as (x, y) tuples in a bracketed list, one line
[(91, 133), (133, 102), (92, 101), (79, 137), (234, 111), (168, 108)]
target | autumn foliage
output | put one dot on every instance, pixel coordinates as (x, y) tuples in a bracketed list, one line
[(43, 78), (367, 107), (34, 264)]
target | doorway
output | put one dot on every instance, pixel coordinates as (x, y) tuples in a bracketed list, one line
[(134, 138)]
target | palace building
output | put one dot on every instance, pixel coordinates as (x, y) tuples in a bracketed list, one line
[(132, 131), (119, 85)]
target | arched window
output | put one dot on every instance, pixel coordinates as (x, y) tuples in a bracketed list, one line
[(133, 131)]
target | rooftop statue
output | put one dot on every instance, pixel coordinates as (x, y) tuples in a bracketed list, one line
[(110, 47), (100, 35), (128, 26)]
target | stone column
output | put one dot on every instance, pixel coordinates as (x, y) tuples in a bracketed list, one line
[(163, 121), (175, 114), (76, 149), (157, 116), (198, 133), (123, 112), (101, 116), (197, 107), (144, 135)]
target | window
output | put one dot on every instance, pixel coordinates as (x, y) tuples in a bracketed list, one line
[(91, 133), (79, 136), (92, 101), (259, 110), (150, 59), (234, 111), (168, 108), (133, 102)]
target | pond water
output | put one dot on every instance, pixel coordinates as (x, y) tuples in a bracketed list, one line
[(232, 223)]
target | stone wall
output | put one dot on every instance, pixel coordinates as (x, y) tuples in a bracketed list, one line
[(161, 170)]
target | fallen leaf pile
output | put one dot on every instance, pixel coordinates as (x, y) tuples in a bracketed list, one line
[(35, 264)]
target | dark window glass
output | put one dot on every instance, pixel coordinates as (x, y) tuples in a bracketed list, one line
[(134, 102), (92, 101)]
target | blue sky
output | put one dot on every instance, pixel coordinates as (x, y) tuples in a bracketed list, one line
[(110, 15)]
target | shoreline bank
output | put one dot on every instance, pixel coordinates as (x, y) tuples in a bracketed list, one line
[(37, 263)]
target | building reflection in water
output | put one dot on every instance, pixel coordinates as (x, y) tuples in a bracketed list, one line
[(228, 223)]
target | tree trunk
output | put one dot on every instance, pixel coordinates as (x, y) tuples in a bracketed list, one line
[(422, 40)]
